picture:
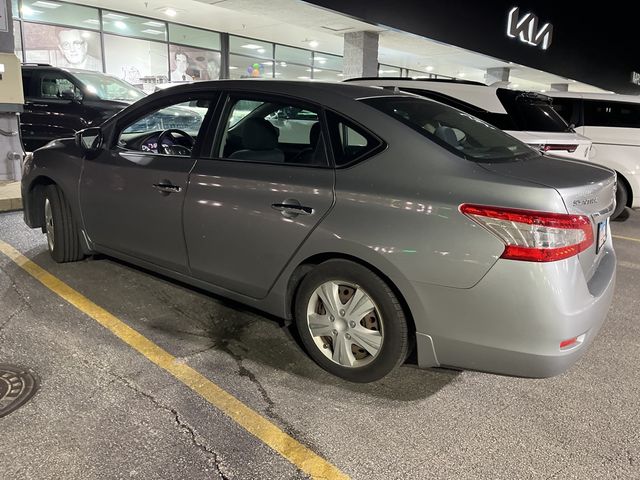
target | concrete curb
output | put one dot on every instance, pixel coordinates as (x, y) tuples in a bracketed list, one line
[(10, 197)]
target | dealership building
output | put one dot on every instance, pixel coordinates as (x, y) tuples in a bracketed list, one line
[(148, 43)]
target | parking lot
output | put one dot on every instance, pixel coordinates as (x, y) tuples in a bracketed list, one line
[(109, 408)]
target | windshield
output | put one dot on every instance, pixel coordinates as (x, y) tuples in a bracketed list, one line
[(463, 134), (107, 87), (532, 112)]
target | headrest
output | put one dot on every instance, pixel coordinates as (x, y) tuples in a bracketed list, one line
[(314, 134), (259, 134)]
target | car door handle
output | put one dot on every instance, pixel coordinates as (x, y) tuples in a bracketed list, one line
[(36, 104), (167, 187), (292, 209)]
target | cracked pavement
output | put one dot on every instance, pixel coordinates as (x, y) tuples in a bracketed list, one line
[(105, 412)]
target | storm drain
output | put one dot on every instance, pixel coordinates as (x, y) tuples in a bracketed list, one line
[(17, 386)]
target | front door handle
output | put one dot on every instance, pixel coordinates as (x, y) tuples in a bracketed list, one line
[(292, 208), (166, 187)]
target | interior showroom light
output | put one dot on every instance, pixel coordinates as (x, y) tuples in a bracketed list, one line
[(314, 44), (170, 12)]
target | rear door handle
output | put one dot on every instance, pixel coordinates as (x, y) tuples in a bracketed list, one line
[(167, 187), (292, 208)]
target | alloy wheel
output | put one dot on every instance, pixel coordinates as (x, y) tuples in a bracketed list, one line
[(48, 218)]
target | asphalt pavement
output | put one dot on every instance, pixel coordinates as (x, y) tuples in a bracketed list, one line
[(103, 410)]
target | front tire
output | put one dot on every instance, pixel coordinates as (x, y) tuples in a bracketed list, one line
[(350, 321), (63, 237)]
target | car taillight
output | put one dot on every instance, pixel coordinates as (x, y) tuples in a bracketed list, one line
[(558, 147), (534, 236)]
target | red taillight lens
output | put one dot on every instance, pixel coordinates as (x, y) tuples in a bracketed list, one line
[(559, 147), (534, 236)]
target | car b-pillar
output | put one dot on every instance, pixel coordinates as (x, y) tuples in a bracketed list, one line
[(11, 99)]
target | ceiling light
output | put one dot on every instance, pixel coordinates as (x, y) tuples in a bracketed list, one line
[(233, 68), (302, 78), (119, 24), (151, 31), (429, 68), (314, 44), (114, 16), (283, 64), (85, 35), (251, 46), (170, 12), (153, 24), (461, 74), (261, 50), (29, 11), (543, 91), (516, 85), (92, 21)]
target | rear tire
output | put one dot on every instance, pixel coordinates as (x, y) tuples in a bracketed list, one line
[(347, 305), (63, 236), (621, 199)]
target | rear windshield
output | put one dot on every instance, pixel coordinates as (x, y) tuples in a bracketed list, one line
[(463, 134), (531, 112)]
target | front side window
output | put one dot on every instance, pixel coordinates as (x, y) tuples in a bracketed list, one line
[(170, 130), (273, 132), (461, 133), (55, 86)]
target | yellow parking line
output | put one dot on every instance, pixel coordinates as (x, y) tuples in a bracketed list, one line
[(631, 239), (287, 446)]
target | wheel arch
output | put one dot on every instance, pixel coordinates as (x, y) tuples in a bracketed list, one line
[(622, 179), (306, 265)]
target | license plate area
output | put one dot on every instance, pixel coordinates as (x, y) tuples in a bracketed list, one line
[(602, 235)]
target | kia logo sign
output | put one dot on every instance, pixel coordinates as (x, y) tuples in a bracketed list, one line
[(526, 29)]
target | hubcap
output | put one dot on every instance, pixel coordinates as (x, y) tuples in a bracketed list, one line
[(345, 323), (48, 219)]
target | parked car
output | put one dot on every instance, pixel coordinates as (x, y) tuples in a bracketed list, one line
[(381, 222), (527, 116), (61, 101), (612, 122)]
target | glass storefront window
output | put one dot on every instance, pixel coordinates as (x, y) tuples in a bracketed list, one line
[(62, 46), (250, 47), (141, 63), (327, 75), (188, 64), (290, 71), (194, 36), (388, 71), (326, 61), (15, 13), (17, 40), (419, 74), (60, 13), (132, 26), (249, 67), (295, 55)]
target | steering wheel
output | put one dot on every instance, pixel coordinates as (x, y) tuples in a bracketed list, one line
[(175, 149)]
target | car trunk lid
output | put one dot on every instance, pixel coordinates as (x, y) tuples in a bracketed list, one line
[(586, 189)]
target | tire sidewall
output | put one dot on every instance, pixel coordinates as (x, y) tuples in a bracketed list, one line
[(394, 326), (53, 195), (621, 199)]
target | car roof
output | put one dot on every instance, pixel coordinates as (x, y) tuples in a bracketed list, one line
[(351, 91), (611, 97), (477, 94)]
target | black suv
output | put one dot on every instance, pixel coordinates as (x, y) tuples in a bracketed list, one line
[(61, 101)]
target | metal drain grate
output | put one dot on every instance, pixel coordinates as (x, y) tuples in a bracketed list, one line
[(17, 386)]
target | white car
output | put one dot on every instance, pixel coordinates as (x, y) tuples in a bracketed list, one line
[(527, 116), (612, 122)]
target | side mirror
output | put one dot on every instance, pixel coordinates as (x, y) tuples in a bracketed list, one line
[(74, 96), (89, 140)]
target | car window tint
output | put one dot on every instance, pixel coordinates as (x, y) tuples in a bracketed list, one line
[(185, 115), (350, 143), (598, 113), (273, 132), (531, 111), (567, 109), (463, 134), (55, 86)]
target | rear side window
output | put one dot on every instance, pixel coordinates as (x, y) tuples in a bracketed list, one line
[(531, 112), (463, 134), (599, 113), (350, 142)]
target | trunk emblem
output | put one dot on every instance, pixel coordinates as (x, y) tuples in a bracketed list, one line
[(585, 201)]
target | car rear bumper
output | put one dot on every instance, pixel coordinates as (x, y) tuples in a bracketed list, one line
[(513, 320)]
